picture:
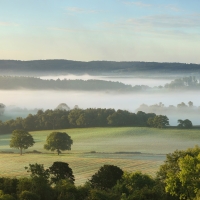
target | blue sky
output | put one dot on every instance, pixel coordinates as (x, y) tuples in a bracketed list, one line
[(118, 30)]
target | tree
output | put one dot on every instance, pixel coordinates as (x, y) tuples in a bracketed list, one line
[(65, 190), (106, 177), (58, 141), (186, 124), (37, 170), (21, 139), (27, 195), (138, 186), (6, 197), (8, 185), (61, 170), (190, 103), (159, 121), (180, 173), (38, 183), (63, 106)]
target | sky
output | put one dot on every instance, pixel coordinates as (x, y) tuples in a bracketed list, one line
[(87, 30)]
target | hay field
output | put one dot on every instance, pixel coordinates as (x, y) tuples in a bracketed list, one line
[(152, 144)]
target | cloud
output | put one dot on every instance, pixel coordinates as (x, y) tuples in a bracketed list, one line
[(166, 21), (172, 7), (81, 10), (160, 21), (8, 24), (138, 3), (164, 25), (73, 30), (145, 5)]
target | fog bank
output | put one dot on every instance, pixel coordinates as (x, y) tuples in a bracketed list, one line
[(51, 99)]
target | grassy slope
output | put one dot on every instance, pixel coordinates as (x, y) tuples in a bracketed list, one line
[(106, 141), (145, 140)]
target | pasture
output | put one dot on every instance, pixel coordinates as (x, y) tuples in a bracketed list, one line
[(130, 148)]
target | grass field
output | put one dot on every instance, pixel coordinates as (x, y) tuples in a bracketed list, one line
[(152, 144)]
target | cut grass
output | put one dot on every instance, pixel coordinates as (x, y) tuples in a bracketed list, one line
[(12, 165), (105, 142)]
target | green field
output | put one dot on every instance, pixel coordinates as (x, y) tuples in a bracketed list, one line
[(117, 146)]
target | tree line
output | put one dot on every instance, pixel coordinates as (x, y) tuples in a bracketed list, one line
[(176, 179), (20, 82), (76, 118), (33, 83)]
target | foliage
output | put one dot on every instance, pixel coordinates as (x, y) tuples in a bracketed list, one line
[(180, 173), (106, 177), (181, 83), (183, 183), (61, 170), (62, 106), (42, 188), (8, 185), (38, 183), (186, 124), (24, 184), (159, 121), (96, 194), (7, 197), (62, 119), (27, 195), (37, 170), (21, 139), (58, 141), (65, 190), (138, 186)]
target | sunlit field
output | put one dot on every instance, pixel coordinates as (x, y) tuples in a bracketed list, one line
[(132, 149)]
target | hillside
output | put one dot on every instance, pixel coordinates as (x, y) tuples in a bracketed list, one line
[(39, 67)]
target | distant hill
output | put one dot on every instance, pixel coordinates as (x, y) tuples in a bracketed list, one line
[(34, 83), (19, 82), (57, 67)]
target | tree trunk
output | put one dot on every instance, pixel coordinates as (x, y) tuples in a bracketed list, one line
[(20, 151)]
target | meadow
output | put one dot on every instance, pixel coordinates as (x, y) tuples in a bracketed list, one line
[(130, 148)]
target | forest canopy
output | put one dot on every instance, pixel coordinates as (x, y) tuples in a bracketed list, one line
[(62, 119)]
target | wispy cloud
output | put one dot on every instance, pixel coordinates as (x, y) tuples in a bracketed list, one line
[(166, 25), (166, 21), (172, 8), (8, 24), (138, 3), (72, 30), (81, 10), (160, 6)]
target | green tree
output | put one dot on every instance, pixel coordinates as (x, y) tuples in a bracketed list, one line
[(27, 195), (65, 190), (159, 121), (8, 185), (58, 141), (185, 124), (38, 183), (180, 173), (21, 139), (138, 186), (37, 170), (6, 197), (106, 177), (61, 170), (97, 194)]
